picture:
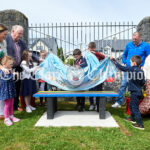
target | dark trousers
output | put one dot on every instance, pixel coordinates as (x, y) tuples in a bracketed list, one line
[(81, 101), (97, 88), (134, 107), (18, 86)]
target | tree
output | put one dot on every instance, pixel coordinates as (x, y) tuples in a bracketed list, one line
[(60, 54)]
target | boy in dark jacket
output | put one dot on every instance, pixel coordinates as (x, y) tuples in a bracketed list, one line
[(80, 61), (136, 81)]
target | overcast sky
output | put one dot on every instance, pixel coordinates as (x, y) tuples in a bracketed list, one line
[(47, 11)]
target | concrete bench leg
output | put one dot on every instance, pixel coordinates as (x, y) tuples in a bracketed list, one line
[(50, 108), (55, 104), (102, 108)]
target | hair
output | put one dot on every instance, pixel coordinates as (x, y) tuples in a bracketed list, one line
[(5, 59), (3, 28), (92, 45), (137, 33), (16, 27), (43, 51), (25, 57), (77, 52), (136, 59)]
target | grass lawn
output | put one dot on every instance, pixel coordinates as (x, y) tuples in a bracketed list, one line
[(24, 136)]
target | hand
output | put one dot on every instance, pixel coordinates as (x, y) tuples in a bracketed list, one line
[(111, 57), (36, 67), (93, 52), (142, 68), (6, 71), (40, 60)]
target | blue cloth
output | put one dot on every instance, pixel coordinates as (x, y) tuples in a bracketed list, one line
[(53, 71), (136, 78), (123, 87), (143, 50), (134, 107), (7, 86)]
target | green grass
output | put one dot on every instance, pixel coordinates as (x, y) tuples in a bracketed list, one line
[(24, 136)]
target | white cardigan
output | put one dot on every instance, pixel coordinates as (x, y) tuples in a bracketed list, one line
[(26, 73), (146, 67)]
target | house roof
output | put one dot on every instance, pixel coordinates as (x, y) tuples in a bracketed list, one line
[(115, 45), (49, 42)]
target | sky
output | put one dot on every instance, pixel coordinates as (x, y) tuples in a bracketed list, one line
[(61, 11)]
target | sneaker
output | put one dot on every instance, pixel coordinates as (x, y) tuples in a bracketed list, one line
[(8, 122), (91, 107), (140, 127), (130, 120), (116, 105), (32, 108), (14, 119), (28, 109)]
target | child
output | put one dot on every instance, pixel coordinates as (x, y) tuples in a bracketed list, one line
[(28, 85), (92, 49), (145, 104), (136, 81), (42, 84), (7, 91), (80, 61)]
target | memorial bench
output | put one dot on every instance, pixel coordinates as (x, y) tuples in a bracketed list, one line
[(51, 97)]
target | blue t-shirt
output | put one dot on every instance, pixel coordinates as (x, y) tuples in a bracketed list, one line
[(143, 50)]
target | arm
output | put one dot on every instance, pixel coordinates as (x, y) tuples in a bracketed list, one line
[(122, 68), (26, 68), (99, 55), (125, 54), (84, 63)]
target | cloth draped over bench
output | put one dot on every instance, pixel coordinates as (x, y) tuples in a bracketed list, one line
[(53, 71)]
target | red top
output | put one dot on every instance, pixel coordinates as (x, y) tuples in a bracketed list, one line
[(99, 55)]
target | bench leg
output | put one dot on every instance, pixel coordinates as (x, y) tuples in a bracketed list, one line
[(102, 108), (55, 104), (50, 108)]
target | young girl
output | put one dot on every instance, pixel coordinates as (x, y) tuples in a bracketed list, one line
[(7, 91), (145, 104), (28, 85), (42, 84)]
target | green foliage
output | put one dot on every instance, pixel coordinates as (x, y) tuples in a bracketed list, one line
[(70, 62), (60, 54), (127, 94)]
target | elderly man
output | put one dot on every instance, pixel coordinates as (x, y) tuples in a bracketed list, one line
[(135, 47), (15, 48)]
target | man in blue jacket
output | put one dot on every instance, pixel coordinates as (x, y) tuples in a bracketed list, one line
[(135, 47)]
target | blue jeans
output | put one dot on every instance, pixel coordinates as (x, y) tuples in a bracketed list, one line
[(123, 87), (134, 107)]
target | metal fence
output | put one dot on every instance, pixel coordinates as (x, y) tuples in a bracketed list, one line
[(110, 38)]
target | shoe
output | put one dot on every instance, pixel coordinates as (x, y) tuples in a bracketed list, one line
[(140, 127), (81, 109), (116, 105), (8, 122), (28, 109), (20, 109), (91, 107), (32, 108), (14, 119), (1, 117), (130, 120)]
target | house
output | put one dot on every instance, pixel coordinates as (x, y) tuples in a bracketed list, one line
[(48, 44), (109, 47)]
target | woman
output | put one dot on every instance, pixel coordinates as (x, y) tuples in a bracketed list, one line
[(3, 51)]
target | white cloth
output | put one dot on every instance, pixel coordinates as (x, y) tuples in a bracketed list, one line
[(146, 67), (26, 73), (1, 107)]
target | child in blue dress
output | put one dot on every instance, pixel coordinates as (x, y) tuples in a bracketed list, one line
[(28, 84), (7, 91)]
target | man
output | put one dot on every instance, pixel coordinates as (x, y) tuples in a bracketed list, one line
[(15, 48), (135, 47)]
